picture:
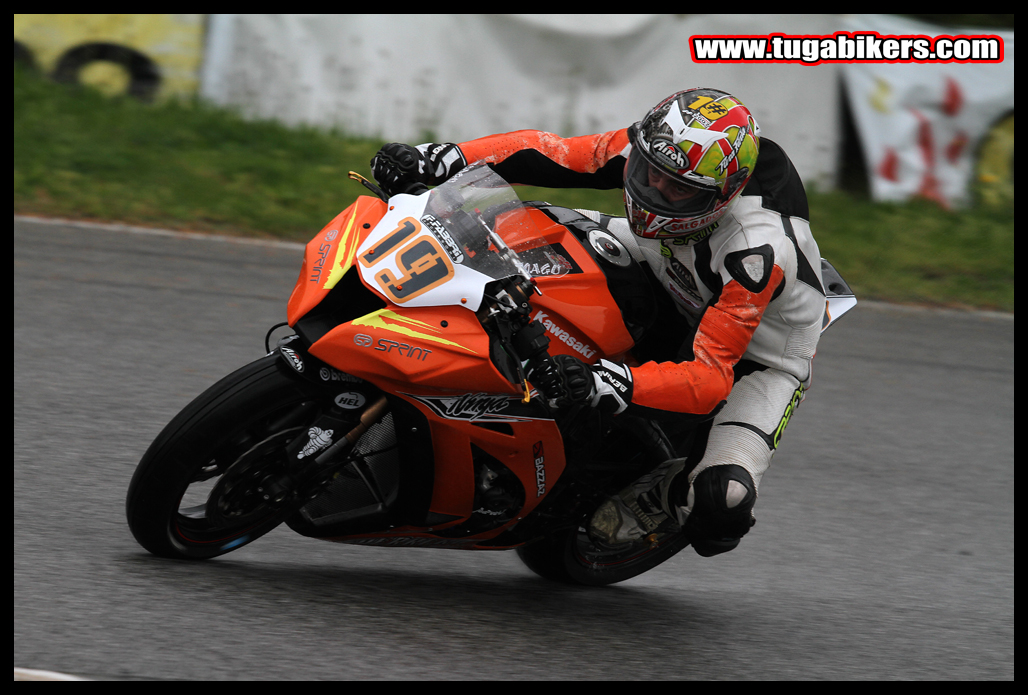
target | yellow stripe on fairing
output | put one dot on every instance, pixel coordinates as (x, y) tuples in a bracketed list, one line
[(378, 320), (345, 253)]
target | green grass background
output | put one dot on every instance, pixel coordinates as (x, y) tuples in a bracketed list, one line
[(190, 166)]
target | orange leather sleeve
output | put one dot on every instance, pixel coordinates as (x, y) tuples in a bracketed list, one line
[(699, 386), (584, 154)]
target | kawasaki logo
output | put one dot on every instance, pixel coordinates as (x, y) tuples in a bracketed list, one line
[(563, 336)]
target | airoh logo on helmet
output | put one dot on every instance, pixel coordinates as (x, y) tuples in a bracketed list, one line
[(666, 150)]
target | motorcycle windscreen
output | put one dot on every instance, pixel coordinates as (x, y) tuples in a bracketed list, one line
[(443, 248)]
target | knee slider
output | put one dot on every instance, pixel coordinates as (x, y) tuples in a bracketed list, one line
[(722, 504)]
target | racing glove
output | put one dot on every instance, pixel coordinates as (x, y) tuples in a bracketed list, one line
[(396, 166), (606, 386)]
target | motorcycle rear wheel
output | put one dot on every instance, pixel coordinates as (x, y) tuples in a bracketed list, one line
[(194, 494), (572, 557)]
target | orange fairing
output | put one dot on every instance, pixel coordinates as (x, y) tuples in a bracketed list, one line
[(576, 308), (534, 452), (331, 253), (436, 347)]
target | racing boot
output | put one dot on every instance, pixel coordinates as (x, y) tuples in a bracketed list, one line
[(716, 510), (640, 509)]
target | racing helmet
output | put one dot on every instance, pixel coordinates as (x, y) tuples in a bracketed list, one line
[(691, 156)]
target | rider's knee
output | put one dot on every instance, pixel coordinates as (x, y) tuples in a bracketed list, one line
[(720, 501)]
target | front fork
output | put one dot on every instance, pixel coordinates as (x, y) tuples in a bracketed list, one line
[(314, 457)]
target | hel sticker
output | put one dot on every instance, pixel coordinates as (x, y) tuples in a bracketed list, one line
[(350, 400)]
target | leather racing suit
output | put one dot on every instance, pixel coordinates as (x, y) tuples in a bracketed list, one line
[(747, 291)]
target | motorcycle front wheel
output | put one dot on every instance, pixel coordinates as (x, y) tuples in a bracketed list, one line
[(573, 557), (201, 489)]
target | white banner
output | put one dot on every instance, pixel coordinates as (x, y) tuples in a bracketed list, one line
[(452, 78), (412, 78), (921, 124)]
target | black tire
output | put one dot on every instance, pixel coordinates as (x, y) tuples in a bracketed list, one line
[(216, 448), (572, 557), (145, 76)]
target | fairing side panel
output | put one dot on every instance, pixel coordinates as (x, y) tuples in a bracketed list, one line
[(330, 254), (577, 308), (535, 453), (435, 347)]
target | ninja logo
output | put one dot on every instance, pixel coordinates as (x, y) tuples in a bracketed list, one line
[(470, 406)]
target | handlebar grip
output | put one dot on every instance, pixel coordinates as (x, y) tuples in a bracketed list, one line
[(531, 341), (414, 188)]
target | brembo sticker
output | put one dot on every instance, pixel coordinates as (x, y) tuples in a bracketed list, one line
[(329, 374)]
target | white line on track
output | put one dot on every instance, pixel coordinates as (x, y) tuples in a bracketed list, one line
[(31, 674)]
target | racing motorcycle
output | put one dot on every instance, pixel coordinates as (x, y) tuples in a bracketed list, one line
[(398, 411)]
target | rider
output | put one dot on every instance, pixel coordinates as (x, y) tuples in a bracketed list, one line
[(730, 242)]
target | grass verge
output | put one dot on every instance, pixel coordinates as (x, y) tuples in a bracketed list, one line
[(80, 154)]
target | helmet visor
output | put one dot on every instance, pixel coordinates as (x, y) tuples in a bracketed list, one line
[(659, 193)]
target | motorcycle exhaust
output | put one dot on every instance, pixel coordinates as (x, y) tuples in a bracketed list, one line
[(369, 417)]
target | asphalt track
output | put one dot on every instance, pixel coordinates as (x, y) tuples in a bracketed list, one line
[(884, 547)]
